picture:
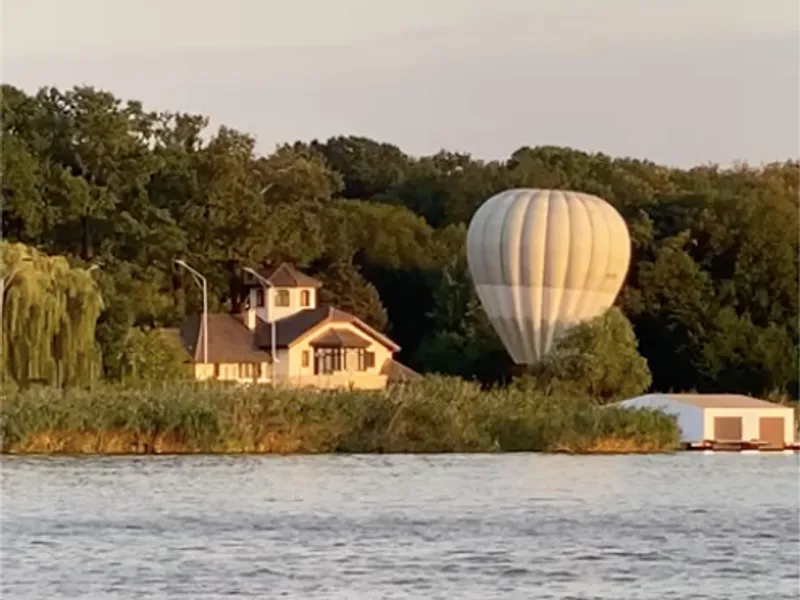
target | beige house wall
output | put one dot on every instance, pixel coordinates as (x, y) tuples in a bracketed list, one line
[(750, 421), (203, 371), (289, 369), (297, 374), (296, 352), (271, 312), (282, 366), (229, 372)]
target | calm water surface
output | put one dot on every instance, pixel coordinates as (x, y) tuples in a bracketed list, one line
[(349, 527)]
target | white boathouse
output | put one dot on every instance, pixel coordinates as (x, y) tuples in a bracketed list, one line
[(724, 418)]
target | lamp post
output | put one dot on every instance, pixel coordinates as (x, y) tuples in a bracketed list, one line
[(201, 281), (265, 282)]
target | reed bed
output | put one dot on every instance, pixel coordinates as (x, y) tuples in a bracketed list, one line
[(432, 415)]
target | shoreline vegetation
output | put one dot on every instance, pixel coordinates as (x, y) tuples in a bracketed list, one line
[(433, 415)]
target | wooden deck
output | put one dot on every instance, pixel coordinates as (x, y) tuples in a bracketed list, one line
[(738, 446)]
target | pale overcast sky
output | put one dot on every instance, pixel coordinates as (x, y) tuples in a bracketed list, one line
[(676, 81)]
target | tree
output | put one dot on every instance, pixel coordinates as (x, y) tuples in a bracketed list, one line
[(95, 179), (598, 358), (48, 320), (368, 168), (344, 287), (153, 355), (738, 356)]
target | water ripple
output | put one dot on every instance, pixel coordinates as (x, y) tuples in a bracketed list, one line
[(687, 527)]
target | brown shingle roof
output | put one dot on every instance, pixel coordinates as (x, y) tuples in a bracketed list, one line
[(340, 338), (229, 340), (287, 276), (290, 329)]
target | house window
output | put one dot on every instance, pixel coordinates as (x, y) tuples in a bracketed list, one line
[(282, 298), (216, 370), (328, 360), (305, 298), (305, 358), (260, 297), (246, 370), (365, 363)]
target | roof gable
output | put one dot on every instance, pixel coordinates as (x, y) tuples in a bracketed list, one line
[(290, 328), (286, 276), (294, 328), (335, 337)]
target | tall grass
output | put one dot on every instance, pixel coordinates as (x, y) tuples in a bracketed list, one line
[(433, 414)]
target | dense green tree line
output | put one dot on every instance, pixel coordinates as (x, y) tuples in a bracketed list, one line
[(712, 292)]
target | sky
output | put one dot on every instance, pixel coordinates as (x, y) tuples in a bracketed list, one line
[(680, 82)]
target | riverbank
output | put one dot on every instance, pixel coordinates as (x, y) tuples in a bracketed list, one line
[(432, 415)]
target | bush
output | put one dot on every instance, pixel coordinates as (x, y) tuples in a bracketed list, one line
[(433, 414), (153, 355)]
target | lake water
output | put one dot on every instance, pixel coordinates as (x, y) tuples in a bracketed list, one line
[(459, 527)]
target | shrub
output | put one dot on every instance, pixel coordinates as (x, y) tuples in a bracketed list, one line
[(432, 414)]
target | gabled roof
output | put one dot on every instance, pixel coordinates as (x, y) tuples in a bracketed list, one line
[(292, 328), (720, 400), (229, 340), (340, 338), (286, 276)]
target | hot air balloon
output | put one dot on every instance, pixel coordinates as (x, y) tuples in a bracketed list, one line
[(543, 261)]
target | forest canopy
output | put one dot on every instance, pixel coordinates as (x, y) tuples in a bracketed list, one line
[(712, 292)]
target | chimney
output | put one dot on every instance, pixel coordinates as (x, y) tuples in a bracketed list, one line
[(250, 311), (250, 319)]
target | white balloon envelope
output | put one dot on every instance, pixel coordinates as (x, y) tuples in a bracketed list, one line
[(543, 261)]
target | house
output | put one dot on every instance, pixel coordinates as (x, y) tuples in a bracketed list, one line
[(723, 417), (312, 345)]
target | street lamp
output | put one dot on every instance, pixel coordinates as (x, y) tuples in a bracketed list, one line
[(265, 282), (201, 281)]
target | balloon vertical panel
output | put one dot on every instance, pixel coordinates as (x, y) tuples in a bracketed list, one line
[(543, 261)]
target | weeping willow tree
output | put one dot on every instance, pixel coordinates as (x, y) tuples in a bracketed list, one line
[(48, 318)]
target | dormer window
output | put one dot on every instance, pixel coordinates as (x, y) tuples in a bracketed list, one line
[(282, 298), (305, 298), (260, 297)]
